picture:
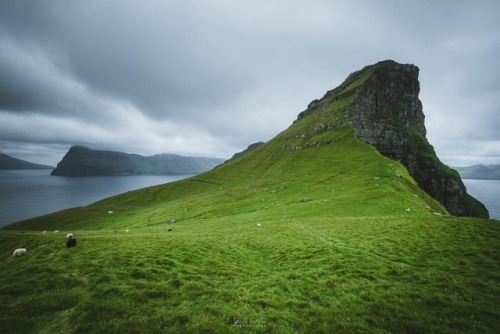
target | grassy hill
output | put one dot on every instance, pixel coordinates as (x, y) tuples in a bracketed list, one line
[(348, 243)]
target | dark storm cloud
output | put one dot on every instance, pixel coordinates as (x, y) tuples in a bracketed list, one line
[(209, 78), (135, 53)]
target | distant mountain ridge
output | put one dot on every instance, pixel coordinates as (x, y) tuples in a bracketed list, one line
[(480, 172), (9, 163), (83, 161)]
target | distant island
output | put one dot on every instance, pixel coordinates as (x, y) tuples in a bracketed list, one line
[(479, 172), (83, 161), (9, 163)]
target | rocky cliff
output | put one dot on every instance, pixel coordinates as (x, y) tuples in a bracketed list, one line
[(83, 161), (381, 103)]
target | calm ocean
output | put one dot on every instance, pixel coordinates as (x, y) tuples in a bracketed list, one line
[(488, 192), (30, 193)]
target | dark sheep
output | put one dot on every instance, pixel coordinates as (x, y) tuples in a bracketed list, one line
[(71, 242)]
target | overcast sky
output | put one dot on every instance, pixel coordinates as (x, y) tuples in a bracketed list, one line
[(208, 78)]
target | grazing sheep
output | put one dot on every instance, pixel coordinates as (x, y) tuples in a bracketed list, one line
[(259, 225), (20, 252), (70, 241)]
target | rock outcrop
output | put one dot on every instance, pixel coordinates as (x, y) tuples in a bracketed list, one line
[(381, 103), (83, 161)]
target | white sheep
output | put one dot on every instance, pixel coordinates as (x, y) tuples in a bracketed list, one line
[(69, 236), (20, 252)]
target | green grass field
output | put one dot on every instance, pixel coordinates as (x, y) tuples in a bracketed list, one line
[(348, 244), (299, 275)]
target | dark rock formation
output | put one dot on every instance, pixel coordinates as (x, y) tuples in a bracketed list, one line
[(381, 103), (9, 163), (250, 148), (82, 161)]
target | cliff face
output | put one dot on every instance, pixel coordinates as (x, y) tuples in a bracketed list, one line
[(381, 103), (82, 161)]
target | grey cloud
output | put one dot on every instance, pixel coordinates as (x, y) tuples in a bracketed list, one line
[(224, 74)]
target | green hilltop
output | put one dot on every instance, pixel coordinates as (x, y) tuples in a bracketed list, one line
[(314, 231), (348, 178)]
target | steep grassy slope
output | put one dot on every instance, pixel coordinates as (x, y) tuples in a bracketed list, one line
[(347, 178), (315, 167), (381, 103), (348, 243)]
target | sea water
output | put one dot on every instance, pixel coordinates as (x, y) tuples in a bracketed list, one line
[(486, 191), (29, 193)]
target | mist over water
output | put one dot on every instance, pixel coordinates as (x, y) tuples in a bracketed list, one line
[(29, 193)]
